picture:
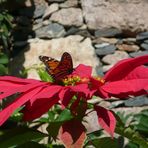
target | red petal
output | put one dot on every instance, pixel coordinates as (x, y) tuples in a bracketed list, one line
[(84, 89), (72, 134), (40, 104), (15, 79), (140, 72), (23, 88), (83, 70), (48, 92), (124, 67), (125, 88), (38, 108), (106, 119), (65, 96), (5, 113)]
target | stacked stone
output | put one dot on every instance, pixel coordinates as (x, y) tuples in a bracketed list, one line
[(61, 18), (87, 23)]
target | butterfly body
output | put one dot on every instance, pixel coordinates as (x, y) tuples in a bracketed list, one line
[(58, 69)]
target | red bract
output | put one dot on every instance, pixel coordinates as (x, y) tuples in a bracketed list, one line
[(128, 77)]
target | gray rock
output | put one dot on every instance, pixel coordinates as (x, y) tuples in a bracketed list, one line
[(56, 0), (50, 9), (69, 17), (144, 46), (69, 3), (137, 101), (114, 13), (84, 33), (101, 45), (114, 58), (37, 26), (53, 30), (38, 20), (106, 40), (128, 48), (146, 41), (39, 10), (140, 53), (142, 36), (107, 67), (129, 41), (105, 50), (107, 32), (75, 30), (72, 30)]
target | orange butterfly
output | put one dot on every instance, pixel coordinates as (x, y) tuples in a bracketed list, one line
[(58, 69)]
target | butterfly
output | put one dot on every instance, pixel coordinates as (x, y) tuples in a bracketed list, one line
[(58, 69)]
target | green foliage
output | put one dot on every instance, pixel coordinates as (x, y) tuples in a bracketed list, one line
[(18, 136), (3, 64), (5, 28), (44, 76), (131, 131), (140, 122), (104, 142)]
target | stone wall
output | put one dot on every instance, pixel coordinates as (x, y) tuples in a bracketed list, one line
[(96, 32)]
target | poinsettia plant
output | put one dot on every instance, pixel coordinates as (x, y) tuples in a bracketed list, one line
[(71, 97)]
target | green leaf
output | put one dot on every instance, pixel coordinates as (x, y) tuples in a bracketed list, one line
[(3, 59), (131, 145), (53, 129), (1, 17), (17, 115), (5, 29), (44, 76), (132, 135), (3, 70), (64, 116), (104, 142), (141, 121), (19, 136), (54, 125), (31, 145)]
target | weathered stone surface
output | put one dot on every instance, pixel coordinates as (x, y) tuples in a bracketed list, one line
[(107, 32), (50, 9), (142, 36), (144, 46), (124, 15), (106, 40), (128, 48), (53, 30), (105, 68), (114, 58), (39, 10), (129, 41), (81, 50), (69, 3), (69, 16), (137, 101), (56, 0), (140, 53), (72, 30), (101, 51)]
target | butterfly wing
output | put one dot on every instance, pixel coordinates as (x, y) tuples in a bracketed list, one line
[(64, 68), (56, 69), (50, 63)]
